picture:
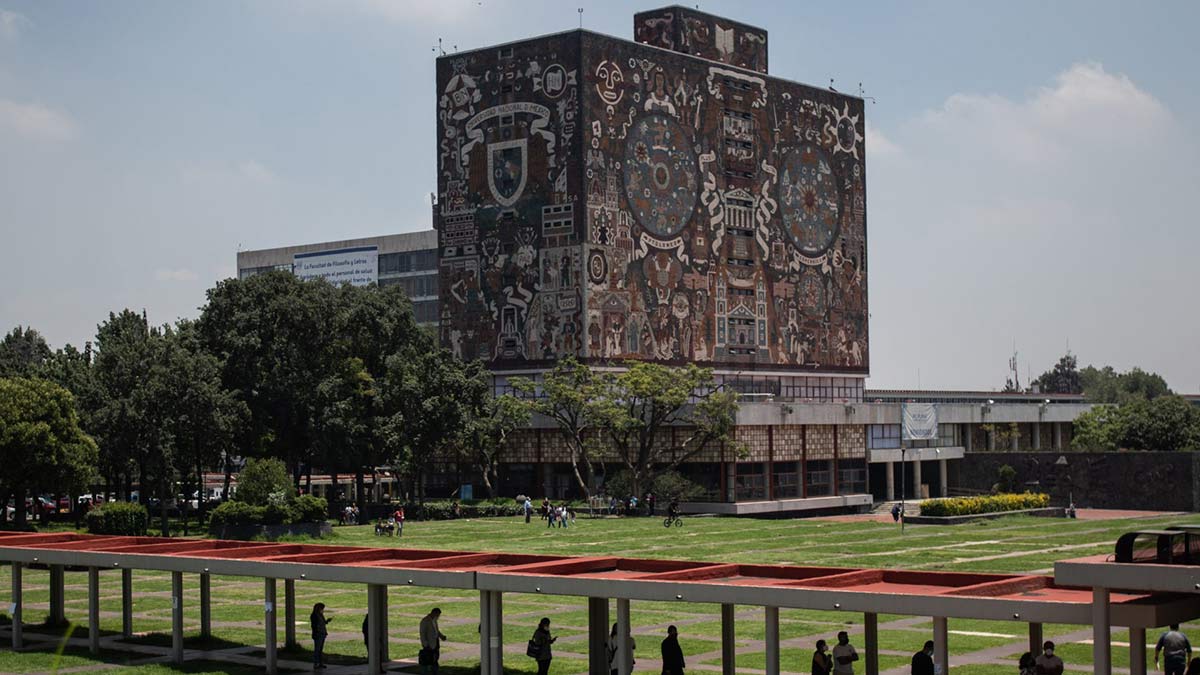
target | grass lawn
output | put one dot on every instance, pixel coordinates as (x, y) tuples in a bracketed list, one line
[(1014, 544)]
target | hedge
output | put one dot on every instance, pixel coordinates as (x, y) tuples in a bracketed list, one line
[(121, 518), (305, 509), (968, 506)]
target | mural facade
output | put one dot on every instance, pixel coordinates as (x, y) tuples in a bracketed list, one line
[(603, 198)]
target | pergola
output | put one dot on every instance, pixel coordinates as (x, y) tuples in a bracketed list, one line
[(1029, 599)]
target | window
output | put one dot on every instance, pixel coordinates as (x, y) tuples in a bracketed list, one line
[(751, 482), (947, 435), (426, 311), (786, 476), (818, 477), (881, 436), (505, 52), (852, 476)]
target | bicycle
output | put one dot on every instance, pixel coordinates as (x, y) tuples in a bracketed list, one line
[(677, 520)]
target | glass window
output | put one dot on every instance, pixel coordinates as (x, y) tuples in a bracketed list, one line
[(852, 476), (880, 436), (947, 435), (818, 477), (751, 482), (786, 476)]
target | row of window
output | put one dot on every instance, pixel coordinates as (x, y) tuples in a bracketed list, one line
[(425, 285), (885, 436), (408, 261), (426, 311), (798, 388), (793, 480), (247, 272)]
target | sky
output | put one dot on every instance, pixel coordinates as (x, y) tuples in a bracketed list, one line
[(1030, 165)]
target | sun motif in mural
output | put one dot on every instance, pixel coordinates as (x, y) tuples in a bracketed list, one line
[(660, 175), (810, 200), (843, 128)]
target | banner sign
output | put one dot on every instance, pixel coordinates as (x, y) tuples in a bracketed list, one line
[(919, 422), (355, 266)]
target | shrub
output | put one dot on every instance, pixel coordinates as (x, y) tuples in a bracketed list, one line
[(309, 509), (1006, 479), (118, 518), (236, 513), (260, 479), (967, 506)]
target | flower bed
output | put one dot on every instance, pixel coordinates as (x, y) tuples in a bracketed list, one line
[(969, 506)]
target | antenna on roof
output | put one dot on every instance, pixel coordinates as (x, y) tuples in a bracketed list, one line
[(862, 93), (831, 86), (581, 17), (438, 48)]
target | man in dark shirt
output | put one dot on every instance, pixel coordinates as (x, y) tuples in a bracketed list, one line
[(922, 661), (672, 655), (1177, 650)]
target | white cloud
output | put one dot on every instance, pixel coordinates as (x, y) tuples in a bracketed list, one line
[(36, 121), (181, 274), (1061, 215), (11, 24), (879, 145), (257, 173)]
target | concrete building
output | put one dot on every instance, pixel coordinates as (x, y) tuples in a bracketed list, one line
[(408, 260)]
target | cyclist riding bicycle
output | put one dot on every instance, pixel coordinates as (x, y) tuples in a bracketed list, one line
[(673, 509)]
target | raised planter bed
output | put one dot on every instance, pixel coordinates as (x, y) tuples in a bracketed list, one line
[(1049, 512), (271, 532)]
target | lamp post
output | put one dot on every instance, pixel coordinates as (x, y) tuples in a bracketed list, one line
[(903, 482)]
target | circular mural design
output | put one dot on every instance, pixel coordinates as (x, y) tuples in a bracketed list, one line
[(660, 175), (597, 268), (811, 203)]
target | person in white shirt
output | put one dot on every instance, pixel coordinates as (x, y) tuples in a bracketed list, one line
[(844, 655)]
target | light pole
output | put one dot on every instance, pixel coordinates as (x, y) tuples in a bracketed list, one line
[(903, 482)]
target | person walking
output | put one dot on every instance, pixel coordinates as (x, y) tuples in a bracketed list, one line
[(1176, 649), (672, 654), (922, 661), (1026, 665), (1047, 663), (431, 642), (822, 663), (844, 655), (563, 515), (614, 646), (319, 623), (400, 522), (528, 510), (539, 646), (895, 513)]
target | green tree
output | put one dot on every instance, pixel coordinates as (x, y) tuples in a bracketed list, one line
[(262, 480), (639, 407), (1105, 385), (494, 420), (1063, 378), (41, 444), (122, 420), (23, 352), (348, 422), (564, 395), (1097, 429)]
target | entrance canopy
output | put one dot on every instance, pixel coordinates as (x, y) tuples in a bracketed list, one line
[(1024, 598)]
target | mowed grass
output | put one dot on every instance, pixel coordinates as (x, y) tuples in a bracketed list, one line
[(1014, 545)]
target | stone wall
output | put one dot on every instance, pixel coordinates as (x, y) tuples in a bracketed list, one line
[(1161, 481)]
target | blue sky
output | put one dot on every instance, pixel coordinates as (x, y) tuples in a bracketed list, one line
[(1030, 164)]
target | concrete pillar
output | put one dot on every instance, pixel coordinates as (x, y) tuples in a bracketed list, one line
[(1101, 633), (485, 632), (1016, 438), (1057, 429), (728, 644), (18, 638), (772, 640), (1037, 436), (624, 630), (890, 472), (93, 609), (496, 635), (991, 438), (126, 603), (943, 478), (1137, 650), (598, 635), (177, 617), (384, 651), (916, 472), (871, 642), (205, 605), (269, 609), (57, 615), (941, 644), (1035, 638), (968, 437), (289, 613)]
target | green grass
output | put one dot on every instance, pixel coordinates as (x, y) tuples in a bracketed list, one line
[(1013, 544)]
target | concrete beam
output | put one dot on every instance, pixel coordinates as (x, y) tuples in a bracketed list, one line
[(16, 608), (1035, 638), (941, 644), (271, 637), (205, 605), (57, 615), (772, 640), (597, 636), (289, 613), (871, 642), (485, 632), (177, 617), (1137, 651), (496, 633), (728, 640), (1101, 633), (126, 603), (93, 609), (374, 629), (624, 653)]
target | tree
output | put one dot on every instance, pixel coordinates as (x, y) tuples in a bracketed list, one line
[(347, 421), (1105, 385), (642, 407), (429, 396), (1062, 379), (565, 395), (23, 352), (121, 422), (494, 420), (1164, 423), (1097, 429), (262, 478), (41, 444)]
